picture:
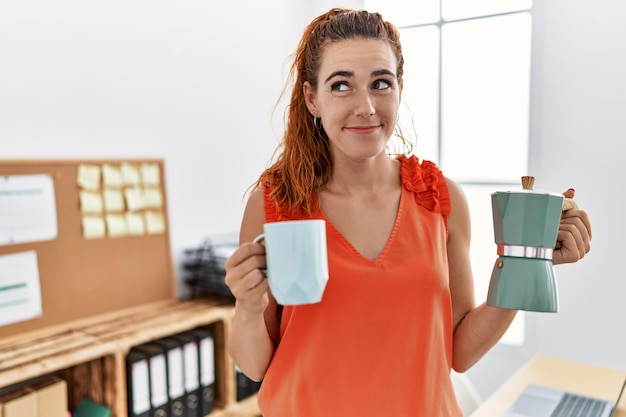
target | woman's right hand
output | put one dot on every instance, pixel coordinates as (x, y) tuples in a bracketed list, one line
[(254, 325), (246, 280)]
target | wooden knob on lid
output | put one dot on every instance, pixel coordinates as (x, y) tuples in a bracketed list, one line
[(528, 182)]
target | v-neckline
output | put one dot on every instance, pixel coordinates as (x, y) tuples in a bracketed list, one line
[(390, 240)]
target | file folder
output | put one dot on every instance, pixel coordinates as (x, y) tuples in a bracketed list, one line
[(157, 374), (138, 384), (245, 386), (173, 350), (88, 408), (206, 353), (191, 373)]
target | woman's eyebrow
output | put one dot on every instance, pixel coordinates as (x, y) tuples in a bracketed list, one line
[(383, 72), (341, 73), (347, 74)]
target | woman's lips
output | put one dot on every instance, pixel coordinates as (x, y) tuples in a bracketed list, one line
[(362, 129)]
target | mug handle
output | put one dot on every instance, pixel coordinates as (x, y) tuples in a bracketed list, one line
[(260, 238)]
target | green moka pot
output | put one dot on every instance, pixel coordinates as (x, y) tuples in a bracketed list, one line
[(525, 225)]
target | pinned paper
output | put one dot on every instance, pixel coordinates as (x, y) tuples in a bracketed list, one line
[(155, 222), (153, 198), (130, 174), (19, 286), (124, 199), (90, 202), (27, 209), (93, 227), (89, 177), (113, 200), (150, 174), (111, 176), (135, 224), (134, 199), (116, 225)]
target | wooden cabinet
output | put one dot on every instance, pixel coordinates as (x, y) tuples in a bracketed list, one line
[(90, 354)]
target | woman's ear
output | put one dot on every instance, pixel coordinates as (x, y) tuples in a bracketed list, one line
[(309, 97)]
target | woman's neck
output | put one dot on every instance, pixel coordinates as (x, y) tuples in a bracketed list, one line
[(363, 177)]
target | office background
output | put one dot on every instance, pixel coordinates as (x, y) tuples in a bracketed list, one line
[(195, 83)]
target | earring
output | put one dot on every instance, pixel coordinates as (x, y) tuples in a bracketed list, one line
[(317, 122)]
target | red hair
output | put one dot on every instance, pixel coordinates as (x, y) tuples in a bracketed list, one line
[(305, 164)]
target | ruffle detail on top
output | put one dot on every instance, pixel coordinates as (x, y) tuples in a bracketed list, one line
[(423, 178), (428, 184)]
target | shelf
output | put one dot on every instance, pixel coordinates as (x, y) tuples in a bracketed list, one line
[(98, 346)]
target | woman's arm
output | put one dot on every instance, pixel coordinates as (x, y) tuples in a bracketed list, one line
[(478, 328), (254, 328)]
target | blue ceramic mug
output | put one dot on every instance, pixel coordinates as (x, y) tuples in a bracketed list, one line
[(297, 260)]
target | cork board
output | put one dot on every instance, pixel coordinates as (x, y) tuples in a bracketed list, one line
[(82, 277)]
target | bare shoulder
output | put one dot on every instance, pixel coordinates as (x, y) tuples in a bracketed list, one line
[(459, 215), (253, 216), (455, 190)]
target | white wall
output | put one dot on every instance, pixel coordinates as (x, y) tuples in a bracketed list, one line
[(195, 83), (578, 107)]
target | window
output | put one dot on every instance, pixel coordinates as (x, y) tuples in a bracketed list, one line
[(466, 95)]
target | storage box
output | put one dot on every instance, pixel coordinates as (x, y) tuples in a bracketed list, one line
[(51, 397), (20, 403)]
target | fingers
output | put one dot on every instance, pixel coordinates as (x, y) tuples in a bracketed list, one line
[(252, 291), (573, 237), (244, 252), (580, 218), (245, 278), (569, 193), (569, 203)]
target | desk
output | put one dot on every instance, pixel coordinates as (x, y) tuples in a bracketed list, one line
[(557, 373)]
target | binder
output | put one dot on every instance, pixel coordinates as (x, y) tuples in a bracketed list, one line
[(88, 408), (206, 357), (245, 386), (191, 373), (157, 374), (138, 383), (173, 350)]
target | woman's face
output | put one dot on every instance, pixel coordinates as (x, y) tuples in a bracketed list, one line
[(358, 96)]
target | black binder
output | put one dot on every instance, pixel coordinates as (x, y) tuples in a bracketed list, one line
[(206, 357), (191, 373), (138, 384), (157, 371), (245, 386), (173, 350)]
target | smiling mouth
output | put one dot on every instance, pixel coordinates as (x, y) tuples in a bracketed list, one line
[(362, 129)]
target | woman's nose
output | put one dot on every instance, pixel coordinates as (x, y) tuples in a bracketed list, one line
[(364, 104)]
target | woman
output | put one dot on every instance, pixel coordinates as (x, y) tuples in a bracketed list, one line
[(398, 312)]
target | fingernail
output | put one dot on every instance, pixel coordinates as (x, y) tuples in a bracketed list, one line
[(571, 189)]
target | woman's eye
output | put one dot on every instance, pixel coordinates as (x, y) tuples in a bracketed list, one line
[(340, 86), (381, 85)]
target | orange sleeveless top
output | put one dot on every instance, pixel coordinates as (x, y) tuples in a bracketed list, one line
[(380, 341)]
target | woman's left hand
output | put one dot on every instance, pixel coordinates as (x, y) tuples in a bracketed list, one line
[(574, 235)]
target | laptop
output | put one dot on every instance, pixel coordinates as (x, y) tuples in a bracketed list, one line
[(540, 401)]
